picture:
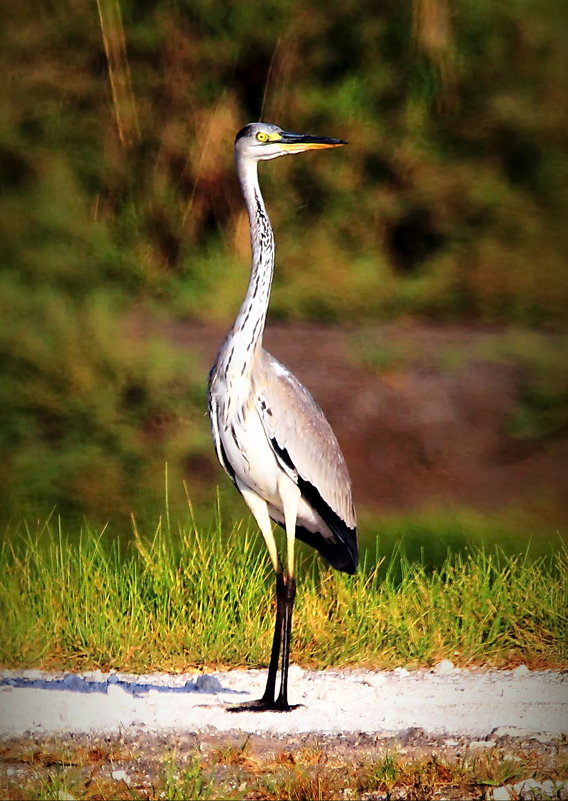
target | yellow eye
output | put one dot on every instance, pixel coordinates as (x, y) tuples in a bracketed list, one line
[(261, 136)]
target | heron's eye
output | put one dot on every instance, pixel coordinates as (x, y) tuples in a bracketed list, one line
[(262, 136)]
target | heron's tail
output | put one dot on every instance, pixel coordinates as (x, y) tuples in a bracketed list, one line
[(342, 554)]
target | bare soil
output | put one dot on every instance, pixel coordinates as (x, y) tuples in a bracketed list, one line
[(258, 767)]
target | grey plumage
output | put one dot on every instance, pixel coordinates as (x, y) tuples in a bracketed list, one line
[(270, 435)]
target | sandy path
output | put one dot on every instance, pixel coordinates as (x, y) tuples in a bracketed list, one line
[(445, 701)]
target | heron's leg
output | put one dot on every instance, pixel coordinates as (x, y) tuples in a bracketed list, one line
[(289, 595), (259, 510), (270, 691), (291, 498)]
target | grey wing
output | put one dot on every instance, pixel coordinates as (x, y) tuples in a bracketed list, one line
[(303, 440), (214, 422)]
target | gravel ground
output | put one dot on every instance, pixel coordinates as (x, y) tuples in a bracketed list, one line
[(444, 701)]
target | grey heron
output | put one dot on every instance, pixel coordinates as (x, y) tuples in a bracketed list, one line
[(270, 435)]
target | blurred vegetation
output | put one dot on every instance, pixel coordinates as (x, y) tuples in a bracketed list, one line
[(541, 407), (118, 190)]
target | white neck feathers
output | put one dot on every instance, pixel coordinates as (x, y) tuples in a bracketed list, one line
[(246, 335)]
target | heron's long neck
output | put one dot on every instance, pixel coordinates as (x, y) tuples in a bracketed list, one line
[(246, 334)]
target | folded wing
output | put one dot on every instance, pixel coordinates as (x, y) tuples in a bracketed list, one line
[(307, 449)]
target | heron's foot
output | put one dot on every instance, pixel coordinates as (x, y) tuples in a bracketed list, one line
[(263, 705)]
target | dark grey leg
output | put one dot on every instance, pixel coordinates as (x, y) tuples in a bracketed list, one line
[(290, 594)]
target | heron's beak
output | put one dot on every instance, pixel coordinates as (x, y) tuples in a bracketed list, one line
[(297, 143)]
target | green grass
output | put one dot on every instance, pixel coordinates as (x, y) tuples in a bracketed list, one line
[(183, 783), (429, 534), (181, 598)]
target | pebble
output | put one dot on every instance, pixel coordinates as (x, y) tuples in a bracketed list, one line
[(120, 776), (513, 731), (522, 670), (208, 684), (35, 675), (444, 667), (509, 731), (73, 682), (531, 788), (116, 692)]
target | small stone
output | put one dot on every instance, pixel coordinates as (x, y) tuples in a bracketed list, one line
[(501, 794), (73, 682), (34, 675), (451, 743), (543, 737), (120, 776), (444, 667), (412, 736), (531, 788), (208, 684), (400, 671), (483, 744), (116, 692), (522, 670), (508, 731)]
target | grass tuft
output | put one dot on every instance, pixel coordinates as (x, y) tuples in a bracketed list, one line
[(186, 782), (180, 599)]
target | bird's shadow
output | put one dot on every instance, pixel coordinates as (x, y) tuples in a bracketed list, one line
[(204, 685)]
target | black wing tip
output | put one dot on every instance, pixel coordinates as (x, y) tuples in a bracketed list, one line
[(342, 555), (350, 566), (349, 550)]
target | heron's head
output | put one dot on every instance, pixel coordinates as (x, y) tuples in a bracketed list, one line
[(262, 141)]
